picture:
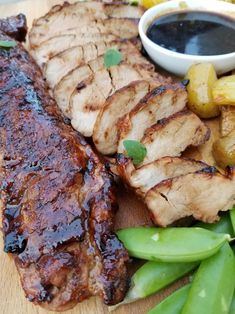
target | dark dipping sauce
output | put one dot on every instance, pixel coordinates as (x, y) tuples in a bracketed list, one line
[(194, 33)]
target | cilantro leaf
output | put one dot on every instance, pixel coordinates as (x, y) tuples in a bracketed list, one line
[(112, 57), (7, 43), (135, 150)]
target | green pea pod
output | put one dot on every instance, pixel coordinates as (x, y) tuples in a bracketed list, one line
[(232, 217), (171, 244), (213, 285), (154, 276), (174, 303), (222, 226), (232, 307)]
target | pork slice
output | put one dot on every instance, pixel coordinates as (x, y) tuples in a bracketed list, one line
[(73, 80), (86, 103), (201, 195), (122, 10), (147, 176), (69, 16), (64, 62), (51, 47), (66, 86), (172, 135), (61, 64), (160, 103), (105, 135)]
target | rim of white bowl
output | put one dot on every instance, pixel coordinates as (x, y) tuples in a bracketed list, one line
[(225, 6)]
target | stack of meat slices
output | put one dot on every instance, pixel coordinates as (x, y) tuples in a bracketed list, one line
[(129, 101), (69, 44)]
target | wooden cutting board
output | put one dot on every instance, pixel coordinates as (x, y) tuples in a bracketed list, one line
[(131, 213)]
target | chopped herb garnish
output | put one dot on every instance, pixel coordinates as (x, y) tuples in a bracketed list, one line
[(112, 57), (135, 150), (7, 43)]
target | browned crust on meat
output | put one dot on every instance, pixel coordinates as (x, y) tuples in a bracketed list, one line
[(58, 198), (154, 129), (207, 174), (156, 92), (109, 12), (15, 27)]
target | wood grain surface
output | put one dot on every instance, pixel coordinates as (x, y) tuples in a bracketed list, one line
[(131, 213)]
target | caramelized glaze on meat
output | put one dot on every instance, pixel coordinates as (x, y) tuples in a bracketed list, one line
[(57, 197), (15, 26)]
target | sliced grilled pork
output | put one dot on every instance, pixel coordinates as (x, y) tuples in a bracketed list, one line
[(57, 199), (146, 177), (64, 62), (86, 102), (201, 195), (125, 29), (117, 105), (171, 136), (75, 79), (67, 16), (51, 47), (160, 103)]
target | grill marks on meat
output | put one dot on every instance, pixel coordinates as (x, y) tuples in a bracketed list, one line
[(148, 176), (171, 136), (172, 187), (59, 43), (121, 102), (80, 23), (126, 101), (159, 103), (91, 68), (201, 195), (86, 103), (68, 16), (77, 36), (57, 198)]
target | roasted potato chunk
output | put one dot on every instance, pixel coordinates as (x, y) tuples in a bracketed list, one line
[(224, 150), (201, 78), (223, 91)]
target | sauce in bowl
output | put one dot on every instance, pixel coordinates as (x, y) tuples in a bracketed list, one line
[(200, 33)]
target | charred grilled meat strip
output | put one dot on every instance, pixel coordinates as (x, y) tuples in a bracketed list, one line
[(57, 199), (15, 26)]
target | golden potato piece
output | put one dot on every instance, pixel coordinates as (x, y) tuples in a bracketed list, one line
[(224, 150), (223, 91), (227, 123), (201, 78)]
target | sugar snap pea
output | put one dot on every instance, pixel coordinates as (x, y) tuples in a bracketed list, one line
[(232, 307), (174, 303), (232, 217), (154, 276), (213, 285), (171, 244), (222, 226)]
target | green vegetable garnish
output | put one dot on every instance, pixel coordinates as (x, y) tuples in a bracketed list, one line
[(135, 150), (166, 244), (7, 43), (112, 57), (213, 285)]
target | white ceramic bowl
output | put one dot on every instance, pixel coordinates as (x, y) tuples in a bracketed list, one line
[(178, 63)]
